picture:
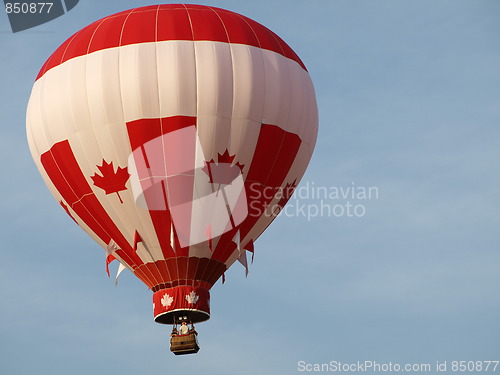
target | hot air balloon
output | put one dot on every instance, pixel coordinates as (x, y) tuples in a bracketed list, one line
[(173, 135)]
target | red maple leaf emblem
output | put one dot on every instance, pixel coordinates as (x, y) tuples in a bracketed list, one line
[(111, 181), (223, 172)]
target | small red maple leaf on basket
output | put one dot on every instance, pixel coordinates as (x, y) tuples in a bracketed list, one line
[(223, 172), (111, 181)]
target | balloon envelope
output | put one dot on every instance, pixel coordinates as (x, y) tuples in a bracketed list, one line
[(173, 135)]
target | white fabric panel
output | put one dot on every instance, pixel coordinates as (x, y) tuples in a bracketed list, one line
[(37, 139), (147, 78), (244, 137), (95, 93), (110, 85), (248, 103), (277, 104), (308, 132), (129, 81), (214, 81), (298, 99), (249, 83), (176, 78), (75, 88), (51, 120), (36, 136)]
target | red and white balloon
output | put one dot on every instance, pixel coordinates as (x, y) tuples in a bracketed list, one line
[(173, 135)]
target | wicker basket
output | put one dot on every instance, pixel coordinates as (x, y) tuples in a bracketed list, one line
[(184, 344)]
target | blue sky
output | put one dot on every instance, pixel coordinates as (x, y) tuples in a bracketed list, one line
[(409, 103)]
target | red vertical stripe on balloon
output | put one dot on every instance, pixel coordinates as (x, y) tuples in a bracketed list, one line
[(140, 132)]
